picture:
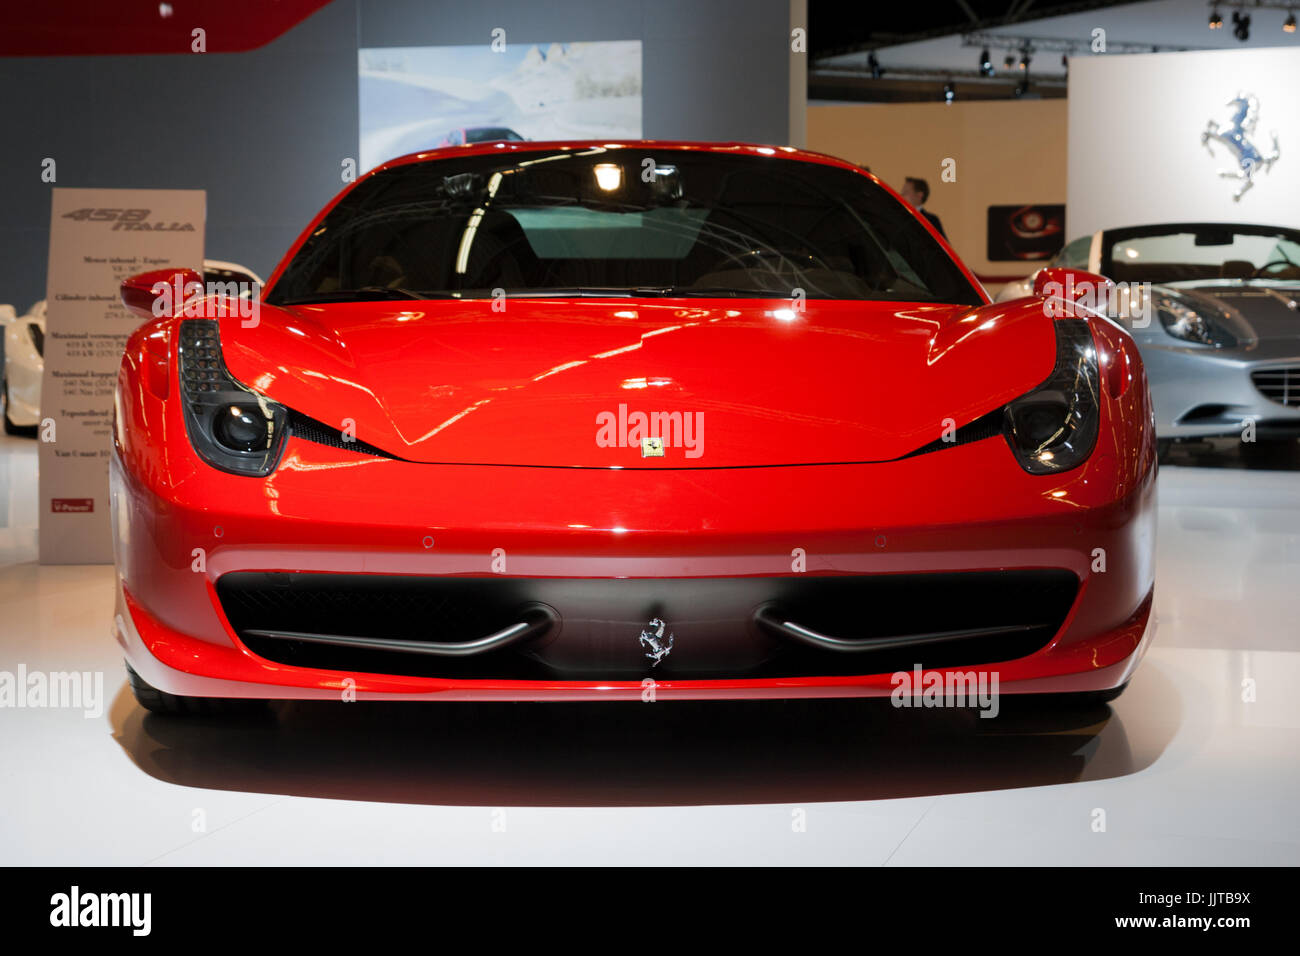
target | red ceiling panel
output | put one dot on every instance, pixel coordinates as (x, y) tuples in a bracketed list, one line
[(97, 27)]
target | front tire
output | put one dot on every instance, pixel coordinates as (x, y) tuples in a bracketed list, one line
[(171, 705)]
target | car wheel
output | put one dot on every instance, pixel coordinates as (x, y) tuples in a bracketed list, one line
[(160, 702)]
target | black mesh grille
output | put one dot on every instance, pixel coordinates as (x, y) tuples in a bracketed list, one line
[(600, 621), (202, 368), (311, 430), (986, 426), (1281, 385)]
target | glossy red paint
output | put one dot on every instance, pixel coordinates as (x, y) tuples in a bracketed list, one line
[(90, 27), (497, 422), (432, 383), (150, 294), (1075, 284)]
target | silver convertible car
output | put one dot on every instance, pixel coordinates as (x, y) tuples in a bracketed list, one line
[(1222, 344)]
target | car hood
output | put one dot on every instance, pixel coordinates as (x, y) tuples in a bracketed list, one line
[(1269, 311), (561, 382)]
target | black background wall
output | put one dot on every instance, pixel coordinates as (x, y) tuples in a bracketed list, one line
[(265, 132)]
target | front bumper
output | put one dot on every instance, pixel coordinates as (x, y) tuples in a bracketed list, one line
[(614, 548), (965, 509), (1199, 392)]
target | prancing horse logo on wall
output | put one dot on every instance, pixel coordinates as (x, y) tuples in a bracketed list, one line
[(1242, 119), (653, 638)]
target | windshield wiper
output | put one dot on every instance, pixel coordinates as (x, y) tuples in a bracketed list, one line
[(715, 292), (575, 292), (367, 293), (364, 294), (646, 292)]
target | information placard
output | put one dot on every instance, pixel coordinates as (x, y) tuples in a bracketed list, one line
[(98, 237)]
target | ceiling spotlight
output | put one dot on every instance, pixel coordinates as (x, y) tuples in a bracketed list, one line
[(949, 92), (1288, 25), (1216, 21), (986, 64), (1241, 25), (874, 66)]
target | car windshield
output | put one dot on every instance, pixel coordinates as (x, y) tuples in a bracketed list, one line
[(491, 134), (1192, 253), (628, 221), (1075, 254)]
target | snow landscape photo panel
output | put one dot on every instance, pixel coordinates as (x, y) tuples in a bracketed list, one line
[(416, 98)]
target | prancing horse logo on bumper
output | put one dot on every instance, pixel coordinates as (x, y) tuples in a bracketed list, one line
[(653, 638)]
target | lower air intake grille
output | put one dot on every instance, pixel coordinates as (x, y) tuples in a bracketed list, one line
[(1281, 385), (600, 623)]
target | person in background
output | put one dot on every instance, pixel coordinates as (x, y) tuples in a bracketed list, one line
[(916, 191)]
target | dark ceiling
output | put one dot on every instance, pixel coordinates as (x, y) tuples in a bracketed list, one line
[(836, 26)]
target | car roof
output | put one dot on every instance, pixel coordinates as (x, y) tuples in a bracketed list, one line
[(530, 146), (1163, 228)]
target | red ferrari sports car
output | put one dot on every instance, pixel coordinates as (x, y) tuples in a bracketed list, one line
[(584, 421)]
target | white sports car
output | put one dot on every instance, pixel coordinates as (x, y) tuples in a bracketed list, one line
[(24, 351), (24, 364), (1073, 256), (1220, 336)]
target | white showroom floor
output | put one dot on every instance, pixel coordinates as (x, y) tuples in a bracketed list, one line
[(1180, 769)]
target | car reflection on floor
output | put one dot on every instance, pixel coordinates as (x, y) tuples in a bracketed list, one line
[(629, 754)]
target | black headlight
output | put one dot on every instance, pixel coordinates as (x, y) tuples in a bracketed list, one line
[(1054, 427), (1182, 321), (231, 426)]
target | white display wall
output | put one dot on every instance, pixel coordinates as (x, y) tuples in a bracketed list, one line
[(1135, 135)]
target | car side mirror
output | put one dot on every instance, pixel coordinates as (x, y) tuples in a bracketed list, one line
[(160, 292), (1073, 284)]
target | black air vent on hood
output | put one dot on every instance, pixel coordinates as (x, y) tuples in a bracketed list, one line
[(309, 429)]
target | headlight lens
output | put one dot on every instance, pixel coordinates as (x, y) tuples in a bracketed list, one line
[(1184, 322), (1054, 427), (231, 426)]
